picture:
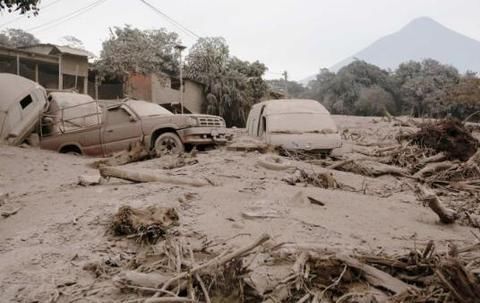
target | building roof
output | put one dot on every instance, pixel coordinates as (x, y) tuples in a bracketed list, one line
[(61, 50)]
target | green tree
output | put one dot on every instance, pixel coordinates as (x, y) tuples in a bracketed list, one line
[(22, 6), (14, 37), (232, 86), (134, 50)]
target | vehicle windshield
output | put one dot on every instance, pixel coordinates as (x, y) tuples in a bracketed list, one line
[(147, 109), (298, 123)]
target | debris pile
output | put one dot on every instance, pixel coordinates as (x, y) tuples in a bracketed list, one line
[(448, 136), (323, 180), (147, 225), (442, 155)]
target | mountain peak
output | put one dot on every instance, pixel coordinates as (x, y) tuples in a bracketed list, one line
[(420, 39), (422, 23)]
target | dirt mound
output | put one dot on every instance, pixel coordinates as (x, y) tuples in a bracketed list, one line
[(448, 136)]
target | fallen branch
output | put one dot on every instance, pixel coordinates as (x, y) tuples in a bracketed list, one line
[(433, 168), (136, 152), (217, 262), (377, 277), (435, 158), (274, 163), (446, 215), (129, 175)]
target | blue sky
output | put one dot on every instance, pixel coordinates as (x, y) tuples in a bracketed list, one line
[(299, 36)]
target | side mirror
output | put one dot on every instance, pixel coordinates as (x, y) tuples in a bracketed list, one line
[(132, 119)]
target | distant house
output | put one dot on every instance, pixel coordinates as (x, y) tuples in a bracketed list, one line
[(163, 89), (52, 66)]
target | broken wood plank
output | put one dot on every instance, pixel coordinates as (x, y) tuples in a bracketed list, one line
[(446, 215), (138, 177), (377, 277)]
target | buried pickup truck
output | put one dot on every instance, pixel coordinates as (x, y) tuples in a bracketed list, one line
[(77, 124)]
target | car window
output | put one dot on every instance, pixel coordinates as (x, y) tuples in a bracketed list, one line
[(117, 115), (26, 101)]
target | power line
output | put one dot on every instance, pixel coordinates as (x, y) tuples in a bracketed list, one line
[(171, 20), (66, 17), (23, 16)]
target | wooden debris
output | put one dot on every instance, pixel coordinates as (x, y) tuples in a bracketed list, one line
[(129, 175), (448, 136), (323, 180), (129, 279), (446, 215), (377, 277), (432, 168), (136, 152), (248, 144), (148, 224), (9, 213), (274, 163)]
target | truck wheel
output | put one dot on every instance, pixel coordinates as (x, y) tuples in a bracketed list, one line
[(168, 144)]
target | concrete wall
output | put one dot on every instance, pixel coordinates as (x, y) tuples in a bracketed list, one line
[(161, 91), (157, 88), (139, 86), (194, 96), (70, 63)]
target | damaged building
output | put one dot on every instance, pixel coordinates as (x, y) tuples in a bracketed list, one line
[(52, 66), (164, 89), (66, 68)]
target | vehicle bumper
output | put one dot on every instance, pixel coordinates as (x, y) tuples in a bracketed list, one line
[(204, 135)]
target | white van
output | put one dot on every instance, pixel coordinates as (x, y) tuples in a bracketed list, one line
[(294, 124), (22, 101)]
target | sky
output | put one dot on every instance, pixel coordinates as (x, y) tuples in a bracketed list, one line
[(297, 36)]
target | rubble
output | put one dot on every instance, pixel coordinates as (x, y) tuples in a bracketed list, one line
[(448, 136), (147, 225)]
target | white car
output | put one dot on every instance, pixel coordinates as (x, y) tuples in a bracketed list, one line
[(22, 101), (294, 124)]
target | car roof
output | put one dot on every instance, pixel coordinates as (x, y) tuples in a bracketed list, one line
[(14, 88), (290, 106)]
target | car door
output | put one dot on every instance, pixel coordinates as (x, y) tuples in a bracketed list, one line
[(121, 129)]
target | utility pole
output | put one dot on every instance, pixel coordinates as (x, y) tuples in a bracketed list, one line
[(285, 77), (180, 48)]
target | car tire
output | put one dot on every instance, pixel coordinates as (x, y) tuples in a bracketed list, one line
[(73, 153), (168, 144)]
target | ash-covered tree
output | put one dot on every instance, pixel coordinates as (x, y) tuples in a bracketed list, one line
[(139, 51), (464, 97), (22, 6), (340, 92), (72, 41), (374, 101), (14, 37), (232, 86), (424, 87), (294, 89)]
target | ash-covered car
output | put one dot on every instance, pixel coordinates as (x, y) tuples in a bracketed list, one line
[(294, 124), (75, 123)]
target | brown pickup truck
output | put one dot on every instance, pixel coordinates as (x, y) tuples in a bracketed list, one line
[(77, 124)]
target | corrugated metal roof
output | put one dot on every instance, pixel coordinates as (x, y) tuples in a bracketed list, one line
[(63, 49)]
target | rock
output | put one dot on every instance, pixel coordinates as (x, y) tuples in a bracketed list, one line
[(89, 180)]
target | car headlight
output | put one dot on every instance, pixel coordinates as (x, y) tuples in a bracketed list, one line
[(192, 121)]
